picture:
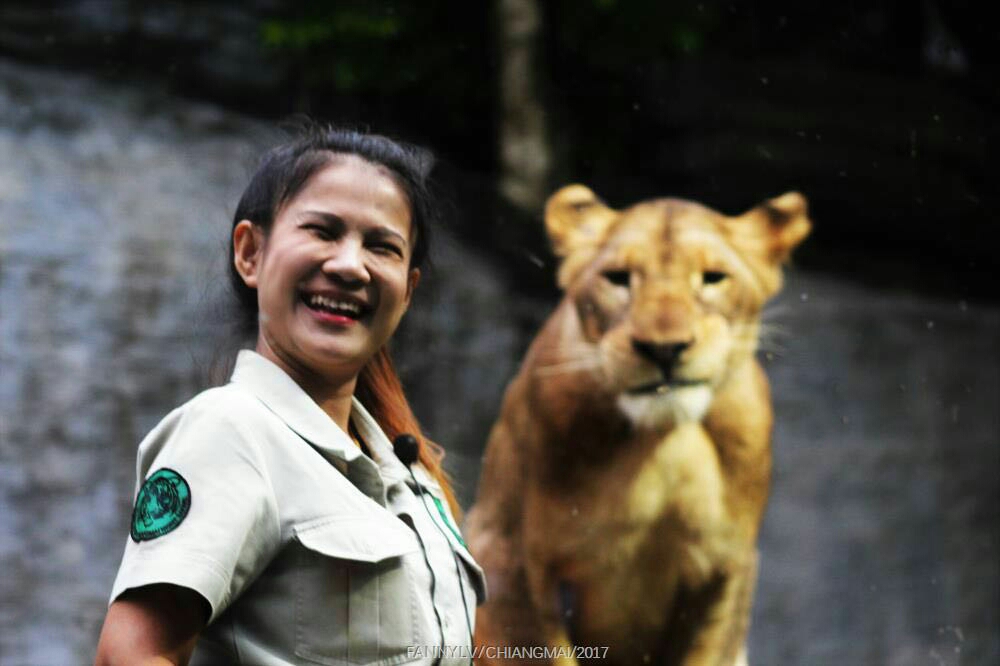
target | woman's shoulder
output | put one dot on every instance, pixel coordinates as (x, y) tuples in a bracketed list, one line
[(228, 403), (229, 394), (225, 416)]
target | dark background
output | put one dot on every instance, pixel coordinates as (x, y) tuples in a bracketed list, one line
[(880, 111), (128, 130)]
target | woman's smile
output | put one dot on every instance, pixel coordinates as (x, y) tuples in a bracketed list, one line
[(335, 308)]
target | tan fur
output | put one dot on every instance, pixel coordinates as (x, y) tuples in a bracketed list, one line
[(622, 489)]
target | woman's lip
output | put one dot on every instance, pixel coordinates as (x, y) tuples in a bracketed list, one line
[(330, 318)]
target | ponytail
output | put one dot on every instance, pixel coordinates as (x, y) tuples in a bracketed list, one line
[(381, 392)]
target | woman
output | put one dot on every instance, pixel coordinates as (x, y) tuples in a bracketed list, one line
[(274, 522)]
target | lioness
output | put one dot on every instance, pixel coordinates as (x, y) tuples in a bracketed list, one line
[(624, 483)]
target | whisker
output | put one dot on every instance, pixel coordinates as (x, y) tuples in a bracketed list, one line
[(566, 367), (769, 327), (772, 351), (573, 349), (617, 354), (774, 310), (765, 346), (773, 334)]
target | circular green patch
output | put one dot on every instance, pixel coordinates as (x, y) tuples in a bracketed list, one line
[(162, 504)]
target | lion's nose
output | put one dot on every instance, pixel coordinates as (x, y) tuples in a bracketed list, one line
[(664, 355)]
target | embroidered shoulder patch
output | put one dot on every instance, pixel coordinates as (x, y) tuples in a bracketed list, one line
[(161, 506)]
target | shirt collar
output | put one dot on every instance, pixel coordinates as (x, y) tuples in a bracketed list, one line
[(383, 452), (378, 444), (280, 394), (286, 399)]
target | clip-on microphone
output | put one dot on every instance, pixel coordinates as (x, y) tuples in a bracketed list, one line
[(407, 449)]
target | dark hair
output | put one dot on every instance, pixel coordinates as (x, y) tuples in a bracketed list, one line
[(283, 173), (285, 169)]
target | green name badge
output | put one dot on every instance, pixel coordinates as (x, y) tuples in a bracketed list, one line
[(161, 506)]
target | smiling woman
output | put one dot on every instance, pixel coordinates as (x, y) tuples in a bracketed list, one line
[(297, 525), (333, 275)]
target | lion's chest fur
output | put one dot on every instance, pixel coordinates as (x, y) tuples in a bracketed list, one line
[(656, 510)]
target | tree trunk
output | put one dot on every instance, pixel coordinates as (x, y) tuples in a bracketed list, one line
[(525, 154)]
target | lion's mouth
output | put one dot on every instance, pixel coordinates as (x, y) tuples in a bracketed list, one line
[(664, 386)]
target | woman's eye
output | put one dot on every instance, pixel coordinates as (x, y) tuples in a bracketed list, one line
[(619, 278), (713, 277), (387, 248), (319, 230)]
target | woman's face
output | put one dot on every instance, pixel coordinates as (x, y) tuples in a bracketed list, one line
[(332, 277)]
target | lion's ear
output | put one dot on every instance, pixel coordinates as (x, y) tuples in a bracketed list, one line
[(575, 218), (783, 223)]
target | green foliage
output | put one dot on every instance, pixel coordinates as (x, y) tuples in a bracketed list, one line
[(300, 34), (613, 36), (686, 39), (385, 47), (405, 65)]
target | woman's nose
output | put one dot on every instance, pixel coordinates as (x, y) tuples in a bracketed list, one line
[(346, 262)]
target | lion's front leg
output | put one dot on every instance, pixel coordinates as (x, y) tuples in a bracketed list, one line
[(508, 618), (711, 625), (553, 632), (511, 620), (564, 648)]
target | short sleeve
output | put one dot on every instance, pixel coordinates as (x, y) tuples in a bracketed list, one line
[(205, 515)]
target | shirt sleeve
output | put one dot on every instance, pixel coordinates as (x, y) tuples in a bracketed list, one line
[(205, 515)]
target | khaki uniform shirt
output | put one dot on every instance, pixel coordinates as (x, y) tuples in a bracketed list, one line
[(307, 550)]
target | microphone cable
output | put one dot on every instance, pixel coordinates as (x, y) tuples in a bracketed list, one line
[(406, 449)]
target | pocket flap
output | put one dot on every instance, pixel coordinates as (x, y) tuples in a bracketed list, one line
[(359, 539), (476, 573)]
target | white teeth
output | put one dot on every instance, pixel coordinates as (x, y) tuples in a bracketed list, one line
[(331, 304)]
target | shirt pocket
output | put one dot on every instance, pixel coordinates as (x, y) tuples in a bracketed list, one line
[(474, 574), (355, 597)]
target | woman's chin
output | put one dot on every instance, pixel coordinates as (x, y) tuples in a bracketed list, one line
[(341, 356)]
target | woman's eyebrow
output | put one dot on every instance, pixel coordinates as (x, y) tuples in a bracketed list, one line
[(330, 218), (382, 232)]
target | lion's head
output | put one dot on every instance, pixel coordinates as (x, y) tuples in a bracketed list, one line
[(668, 293)]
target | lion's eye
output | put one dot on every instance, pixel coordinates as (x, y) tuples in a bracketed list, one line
[(713, 277), (620, 278)]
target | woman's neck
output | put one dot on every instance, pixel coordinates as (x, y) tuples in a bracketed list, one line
[(335, 400), (333, 395)]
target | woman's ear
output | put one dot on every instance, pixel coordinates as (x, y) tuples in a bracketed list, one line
[(412, 280), (248, 243)]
